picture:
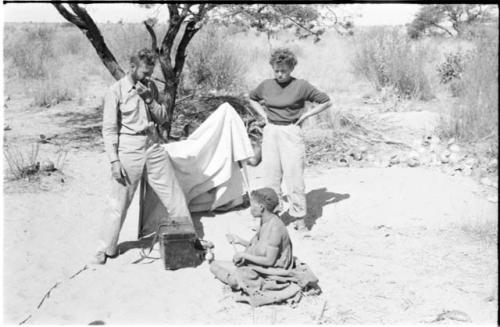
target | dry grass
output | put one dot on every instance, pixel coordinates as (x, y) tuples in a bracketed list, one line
[(237, 62), (387, 57), (22, 165)]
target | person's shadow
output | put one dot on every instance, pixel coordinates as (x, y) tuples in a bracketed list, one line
[(316, 200)]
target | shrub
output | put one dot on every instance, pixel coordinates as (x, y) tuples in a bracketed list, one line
[(213, 63), (51, 91), (22, 165), (29, 50), (388, 58), (476, 115)]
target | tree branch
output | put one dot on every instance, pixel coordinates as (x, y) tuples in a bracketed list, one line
[(84, 22), (301, 26), (69, 16), (442, 28), (151, 31), (180, 56)]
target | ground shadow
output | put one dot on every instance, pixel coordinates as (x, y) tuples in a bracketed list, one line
[(142, 243), (86, 128), (316, 200)]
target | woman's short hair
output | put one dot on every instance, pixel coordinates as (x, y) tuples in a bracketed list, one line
[(267, 197), (145, 55), (283, 56)]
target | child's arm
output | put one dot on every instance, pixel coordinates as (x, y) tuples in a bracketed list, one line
[(272, 251), (235, 239)]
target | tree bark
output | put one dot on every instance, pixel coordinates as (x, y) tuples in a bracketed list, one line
[(84, 22)]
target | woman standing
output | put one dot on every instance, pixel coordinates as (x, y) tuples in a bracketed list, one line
[(281, 102)]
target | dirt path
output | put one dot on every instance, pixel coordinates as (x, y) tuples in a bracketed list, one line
[(388, 245)]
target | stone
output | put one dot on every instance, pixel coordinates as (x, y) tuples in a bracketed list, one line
[(370, 157), (413, 162), (444, 158), (454, 148), (471, 162), (394, 160), (47, 165), (454, 157), (486, 181)]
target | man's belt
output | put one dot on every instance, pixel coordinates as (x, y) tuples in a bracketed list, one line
[(283, 123)]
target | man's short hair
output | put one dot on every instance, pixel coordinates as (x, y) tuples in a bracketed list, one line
[(283, 56), (267, 197), (146, 56)]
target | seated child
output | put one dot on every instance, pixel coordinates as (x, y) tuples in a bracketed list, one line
[(271, 246)]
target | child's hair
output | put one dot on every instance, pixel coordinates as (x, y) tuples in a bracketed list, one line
[(267, 197), (283, 56)]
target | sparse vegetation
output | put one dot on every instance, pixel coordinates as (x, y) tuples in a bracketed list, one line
[(476, 115), (213, 63), (387, 57), (22, 165)]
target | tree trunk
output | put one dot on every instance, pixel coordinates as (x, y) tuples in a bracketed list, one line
[(84, 22)]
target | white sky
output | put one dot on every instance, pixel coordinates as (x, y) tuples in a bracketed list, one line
[(370, 14)]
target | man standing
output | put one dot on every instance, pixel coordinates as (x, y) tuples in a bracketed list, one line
[(131, 142)]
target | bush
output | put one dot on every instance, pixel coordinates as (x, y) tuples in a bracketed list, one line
[(213, 63), (388, 58), (51, 91), (476, 115), (451, 70), (29, 50)]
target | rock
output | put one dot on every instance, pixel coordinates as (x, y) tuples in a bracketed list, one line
[(486, 181), (394, 160), (445, 158), (343, 162), (370, 157), (492, 165), (454, 157), (471, 162), (356, 155), (467, 171), (363, 149), (493, 198), (47, 165), (414, 154), (454, 148), (6, 128), (451, 141), (413, 162), (453, 315)]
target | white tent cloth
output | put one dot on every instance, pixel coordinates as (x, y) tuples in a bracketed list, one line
[(206, 166)]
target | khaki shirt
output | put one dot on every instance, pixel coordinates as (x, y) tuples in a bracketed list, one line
[(125, 112)]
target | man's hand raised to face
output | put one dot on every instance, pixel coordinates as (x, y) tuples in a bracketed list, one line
[(144, 92)]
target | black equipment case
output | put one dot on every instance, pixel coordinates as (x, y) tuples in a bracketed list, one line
[(179, 244)]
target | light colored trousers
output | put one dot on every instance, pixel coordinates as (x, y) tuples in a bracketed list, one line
[(137, 152), (283, 160)]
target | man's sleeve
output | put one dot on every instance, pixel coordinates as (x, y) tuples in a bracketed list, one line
[(110, 124), (256, 94), (158, 110), (312, 94)]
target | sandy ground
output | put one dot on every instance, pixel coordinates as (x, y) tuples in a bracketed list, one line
[(389, 245)]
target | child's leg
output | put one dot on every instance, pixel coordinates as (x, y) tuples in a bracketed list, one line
[(224, 271)]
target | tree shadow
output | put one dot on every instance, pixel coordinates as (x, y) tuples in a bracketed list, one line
[(86, 127), (316, 200)]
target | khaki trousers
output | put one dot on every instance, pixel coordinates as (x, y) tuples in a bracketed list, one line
[(140, 154), (283, 160)]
